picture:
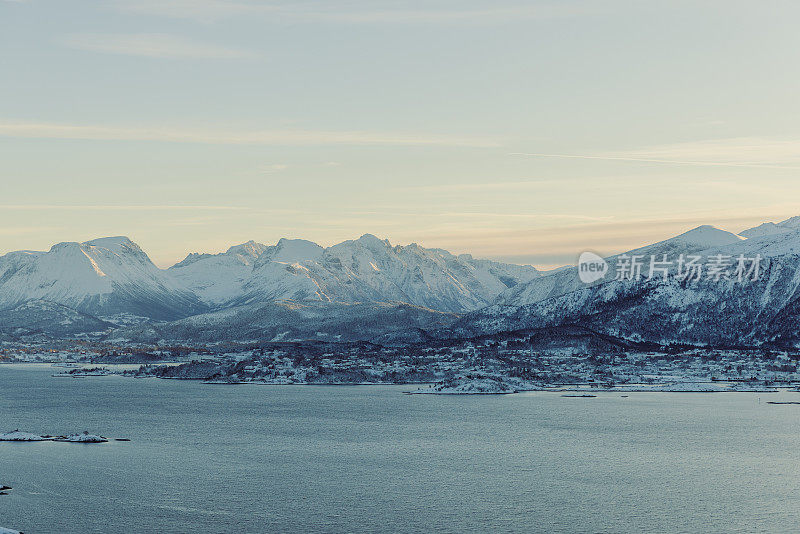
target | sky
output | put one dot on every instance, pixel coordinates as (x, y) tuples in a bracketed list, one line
[(524, 131)]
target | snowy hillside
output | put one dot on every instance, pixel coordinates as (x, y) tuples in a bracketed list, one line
[(103, 277), (293, 321), (668, 309), (565, 281), (218, 278), (36, 318)]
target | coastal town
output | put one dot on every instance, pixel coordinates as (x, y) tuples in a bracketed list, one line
[(515, 363)]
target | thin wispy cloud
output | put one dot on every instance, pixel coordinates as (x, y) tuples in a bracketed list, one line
[(31, 130), (117, 207), (746, 152), (605, 236), (204, 10), (502, 186), (482, 16), (738, 150), (153, 45), (528, 216), (662, 161), (385, 211), (355, 12)]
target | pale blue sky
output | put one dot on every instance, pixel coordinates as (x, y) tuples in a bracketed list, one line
[(196, 124)]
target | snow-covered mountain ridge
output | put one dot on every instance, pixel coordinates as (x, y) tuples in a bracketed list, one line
[(369, 289), (668, 308), (112, 277), (367, 269)]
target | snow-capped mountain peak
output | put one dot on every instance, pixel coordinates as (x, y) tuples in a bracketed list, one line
[(371, 240), (244, 253), (293, 251), (114, 243), (695, 240), (104, 276), (247, 252), (706, 236)]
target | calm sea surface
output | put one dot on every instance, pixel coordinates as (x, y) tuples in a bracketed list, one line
[(251, 458)]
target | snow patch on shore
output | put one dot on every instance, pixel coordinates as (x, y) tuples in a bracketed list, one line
[(85, 438), (484, 385), (17, 435)]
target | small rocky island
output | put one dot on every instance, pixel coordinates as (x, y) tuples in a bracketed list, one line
[(84, 437)]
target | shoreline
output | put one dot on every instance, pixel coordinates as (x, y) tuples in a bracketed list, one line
[(458, 384)]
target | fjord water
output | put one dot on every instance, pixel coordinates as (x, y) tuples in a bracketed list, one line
[(251, 458)]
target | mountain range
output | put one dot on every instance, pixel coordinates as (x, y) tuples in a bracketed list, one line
[(369, 289), (670, 308), (292, 288)]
